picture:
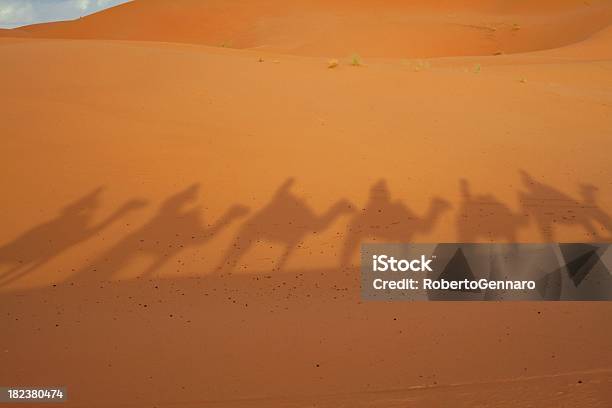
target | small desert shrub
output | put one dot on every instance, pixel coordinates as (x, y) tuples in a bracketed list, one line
[(356, 60), (421, 65)]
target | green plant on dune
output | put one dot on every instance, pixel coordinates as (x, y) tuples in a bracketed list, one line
[(356, 60), (421, 65)]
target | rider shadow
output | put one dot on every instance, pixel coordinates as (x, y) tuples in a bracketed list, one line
[(177, 225), (388, 220), (287, 220), (551, 208), (73, 225), (483, 217)]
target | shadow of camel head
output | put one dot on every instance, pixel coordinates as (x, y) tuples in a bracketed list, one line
[(134, 204), (438, 204), (588, 193), (237, 211), (182, 198), (342, 206), (526, 178), (88, 203)]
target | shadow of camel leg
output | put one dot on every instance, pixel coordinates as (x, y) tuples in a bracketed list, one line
[(546, 229), (156, 266), (10, 272), (591, 230), (283, 259), (237, 249), (350, 246), (16, 274)]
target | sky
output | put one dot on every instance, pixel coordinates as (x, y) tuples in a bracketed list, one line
[(15, 13)]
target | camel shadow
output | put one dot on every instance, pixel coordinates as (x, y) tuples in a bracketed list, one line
[(287, 220), (73, 225), (177, 225), (551, 208), (482, 216), (385, 219)]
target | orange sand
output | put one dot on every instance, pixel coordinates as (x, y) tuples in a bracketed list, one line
[(138, 170)]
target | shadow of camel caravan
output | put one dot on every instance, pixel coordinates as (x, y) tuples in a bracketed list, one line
[(550, 208), (388, 220), (74, 225), (177, 225), (483, 217), (286, 220)]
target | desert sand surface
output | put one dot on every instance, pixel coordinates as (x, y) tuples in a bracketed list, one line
[(183, 202)]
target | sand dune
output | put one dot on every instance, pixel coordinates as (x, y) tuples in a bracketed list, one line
[(180, 222), (11, 33), (343, 27)]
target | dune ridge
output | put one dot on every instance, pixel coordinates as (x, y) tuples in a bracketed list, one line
[(343, 27)]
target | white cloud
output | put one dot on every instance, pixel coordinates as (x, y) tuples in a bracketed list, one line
[(82, 4), (15, 12), (22, 12)]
